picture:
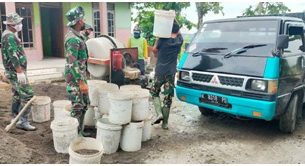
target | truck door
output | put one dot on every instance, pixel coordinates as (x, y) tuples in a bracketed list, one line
[(292, 63)]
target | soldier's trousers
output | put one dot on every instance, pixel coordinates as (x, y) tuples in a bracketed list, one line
[(80, 103), (168, 83), (22, 93)]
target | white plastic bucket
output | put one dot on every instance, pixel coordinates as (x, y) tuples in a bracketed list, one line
[(87, 143), (147, 129), (64, 132), (140, 105), (109, 135), (140, 101), (163, 23), (104, 104), (41, 109), (120, 107), (93, 91), (89, 119), (59, 107), (132, 137), (130, 87)]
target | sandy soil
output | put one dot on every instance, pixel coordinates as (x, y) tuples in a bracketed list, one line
[(192, 138)]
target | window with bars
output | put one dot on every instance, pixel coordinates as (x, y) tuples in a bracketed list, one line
[(96, 19), (110, 19), (2, 18), (25, 10)]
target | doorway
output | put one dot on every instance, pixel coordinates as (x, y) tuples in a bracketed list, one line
[(52, 29)]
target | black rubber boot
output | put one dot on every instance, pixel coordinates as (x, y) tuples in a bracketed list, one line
[(157, 105)]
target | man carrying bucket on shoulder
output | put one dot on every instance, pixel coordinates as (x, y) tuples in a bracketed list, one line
[(167, 50), (15, 64), (76, 66)]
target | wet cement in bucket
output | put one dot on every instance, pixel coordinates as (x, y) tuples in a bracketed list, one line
[(86, 151)]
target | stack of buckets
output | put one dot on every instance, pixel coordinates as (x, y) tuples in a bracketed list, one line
[(66, 140), (122, 119), (125, 121), (64, 127)]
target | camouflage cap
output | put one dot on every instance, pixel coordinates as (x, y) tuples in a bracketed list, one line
[(13, 19), (88, 27), (75, 15)]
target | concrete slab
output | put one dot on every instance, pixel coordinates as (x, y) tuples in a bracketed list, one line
[(46, 63)]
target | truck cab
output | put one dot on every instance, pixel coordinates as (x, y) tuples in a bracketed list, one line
[(249, 67)]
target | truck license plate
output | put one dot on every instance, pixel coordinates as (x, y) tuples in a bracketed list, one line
[(213, 99)]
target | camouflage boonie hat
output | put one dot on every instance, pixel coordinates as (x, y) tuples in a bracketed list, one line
[(13, 19), (75, 15)]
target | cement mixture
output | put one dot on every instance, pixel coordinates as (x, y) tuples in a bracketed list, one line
[(192, 138)]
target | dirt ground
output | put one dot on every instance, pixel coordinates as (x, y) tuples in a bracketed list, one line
[(192, 138)]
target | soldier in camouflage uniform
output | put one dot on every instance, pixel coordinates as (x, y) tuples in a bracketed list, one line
[(76, 65), (15, 64), (167, 50)]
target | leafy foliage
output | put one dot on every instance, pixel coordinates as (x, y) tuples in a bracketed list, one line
[(204, 7), (266, 8)]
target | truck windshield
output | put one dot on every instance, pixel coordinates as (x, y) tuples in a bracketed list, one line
[(225, 37)]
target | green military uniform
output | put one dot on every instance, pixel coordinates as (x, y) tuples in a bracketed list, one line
[(76, 67), (13, 56)]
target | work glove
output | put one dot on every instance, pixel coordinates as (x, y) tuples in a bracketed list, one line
[(21, 78), (83, 87)]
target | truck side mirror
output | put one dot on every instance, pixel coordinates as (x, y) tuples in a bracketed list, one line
[(282, 42)]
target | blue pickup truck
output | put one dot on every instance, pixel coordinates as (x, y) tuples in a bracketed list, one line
[(250, 67)]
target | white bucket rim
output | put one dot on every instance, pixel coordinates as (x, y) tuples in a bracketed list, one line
[(165, 13), (68, 123), (43, 100), (130, 87), (138, 124), (107, 87), (61, 103), (96, 81), (104, 123), (79, 140)]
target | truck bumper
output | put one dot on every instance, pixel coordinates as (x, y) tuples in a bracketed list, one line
[(251, 108)]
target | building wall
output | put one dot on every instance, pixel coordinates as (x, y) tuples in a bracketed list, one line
[(34, 53), (103, 16), (122, 21)]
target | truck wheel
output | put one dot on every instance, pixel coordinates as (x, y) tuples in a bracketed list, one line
[(289, 118), (206, 111)]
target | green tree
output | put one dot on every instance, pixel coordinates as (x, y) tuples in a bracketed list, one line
[(266, 8), (145, 16), (204, 7)]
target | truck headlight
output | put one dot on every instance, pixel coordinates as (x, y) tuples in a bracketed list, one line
[(259, 85), (269, 86), (185, 75)]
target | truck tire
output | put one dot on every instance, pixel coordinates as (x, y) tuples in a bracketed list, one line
[(288, 120), (206, 111)]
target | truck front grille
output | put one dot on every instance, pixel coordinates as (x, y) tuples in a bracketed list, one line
[(231, 81), (202, 77)]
